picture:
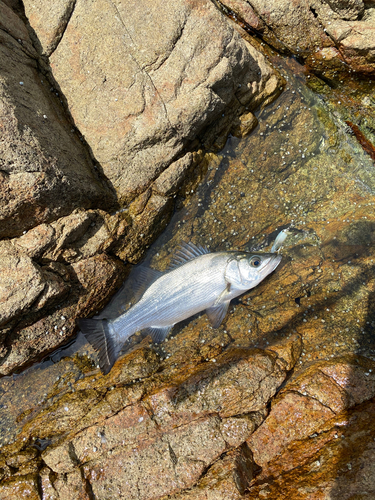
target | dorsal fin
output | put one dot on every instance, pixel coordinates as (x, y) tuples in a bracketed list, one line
[(143, 277), (187, 251), (132, 290)]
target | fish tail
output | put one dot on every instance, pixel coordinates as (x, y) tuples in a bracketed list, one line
[(103, 339)]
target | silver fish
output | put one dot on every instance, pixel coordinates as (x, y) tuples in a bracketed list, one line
[(197, 280)]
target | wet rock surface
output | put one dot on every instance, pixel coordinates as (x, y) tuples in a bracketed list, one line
[(149, 428), (331, 451), (279, 401), (333, 37)]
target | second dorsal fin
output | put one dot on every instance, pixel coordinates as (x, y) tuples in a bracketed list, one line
[(143, 277), (131, 291), (187, 251)]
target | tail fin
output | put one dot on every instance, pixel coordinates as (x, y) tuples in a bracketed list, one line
[(97, 332)]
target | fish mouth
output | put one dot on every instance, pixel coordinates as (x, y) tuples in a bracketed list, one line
[(272, 264)]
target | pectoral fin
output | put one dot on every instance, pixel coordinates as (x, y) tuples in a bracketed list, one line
[(158, 334), (216, 314)]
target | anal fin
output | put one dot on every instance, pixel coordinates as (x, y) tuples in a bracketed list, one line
[(158, 334), (217, 313)]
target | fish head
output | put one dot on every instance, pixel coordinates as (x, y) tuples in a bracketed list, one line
[(246, 270)]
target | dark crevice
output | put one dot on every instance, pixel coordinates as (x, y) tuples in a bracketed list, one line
[(231, 14), (313, 11), (274, 43), (109, 202), (39, 486), (88, 487), (63, 25), (173, 456)]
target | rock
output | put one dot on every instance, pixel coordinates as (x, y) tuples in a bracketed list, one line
[(228, 478), (22, 282), (171, 179), (293, 23), (288, 350), (48, 25), (90, 284), (235, 429), (356, 42), (61, 459), (36, 241), (247, 123), (22, 458), (348, 9), (11, 24), (46, 486), (257, 378), (246, 12), (46, 172), (152, 221), (162, 433), (332, 36), (324, 452), (294, 417), (137, 110), (21, 487)]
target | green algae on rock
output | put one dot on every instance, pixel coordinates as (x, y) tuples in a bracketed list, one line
[(189, 420)]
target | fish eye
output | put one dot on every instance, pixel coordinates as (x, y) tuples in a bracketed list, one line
[(255, 261)]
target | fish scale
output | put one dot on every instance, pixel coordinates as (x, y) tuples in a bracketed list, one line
[(180, 302)]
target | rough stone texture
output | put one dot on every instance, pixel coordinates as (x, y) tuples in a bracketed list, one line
[(355, 40), (156, 83), (291, 419), (19, 275), (327, 451), (154, 437), (45, 171), (48, 23), (86, 285), (227, 479), (347, 9), (22, 487), (334, 36), (317, 439), (228, 389), (293, 23), (170, 180)]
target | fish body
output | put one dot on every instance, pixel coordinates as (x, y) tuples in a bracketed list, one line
[(198, 281)]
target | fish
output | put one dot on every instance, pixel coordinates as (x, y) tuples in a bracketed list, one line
[(197, 280)]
